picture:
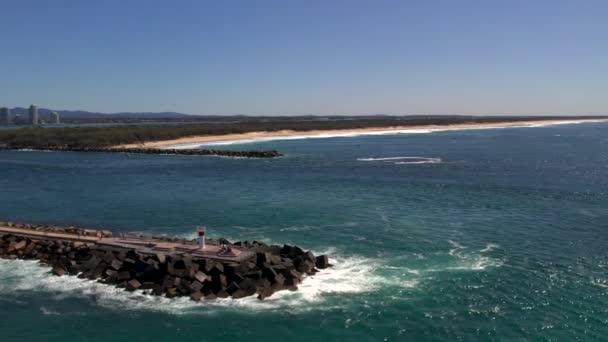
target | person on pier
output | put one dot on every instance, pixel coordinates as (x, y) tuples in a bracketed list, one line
[(224, 248)]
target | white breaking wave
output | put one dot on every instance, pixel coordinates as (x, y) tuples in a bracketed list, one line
[(32, 150), (569, 122)]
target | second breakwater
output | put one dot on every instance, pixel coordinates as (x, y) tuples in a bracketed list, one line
[(187, 152)]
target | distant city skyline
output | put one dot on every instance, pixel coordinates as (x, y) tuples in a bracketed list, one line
[(33, 115), (315, 57)]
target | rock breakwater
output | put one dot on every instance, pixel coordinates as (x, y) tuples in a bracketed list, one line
[(173, 270), (187, 152)]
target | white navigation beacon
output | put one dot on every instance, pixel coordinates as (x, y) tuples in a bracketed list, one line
[(201, 237)]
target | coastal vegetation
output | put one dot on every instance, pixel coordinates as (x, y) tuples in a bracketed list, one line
[(108, 136)]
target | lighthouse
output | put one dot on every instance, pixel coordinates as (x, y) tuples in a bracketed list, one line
[(201, 237)]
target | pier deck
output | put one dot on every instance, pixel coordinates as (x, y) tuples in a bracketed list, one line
[(141, 245)]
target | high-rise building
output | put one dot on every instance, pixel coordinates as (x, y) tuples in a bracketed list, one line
[(33, 119), (55, 118), (5, 116)]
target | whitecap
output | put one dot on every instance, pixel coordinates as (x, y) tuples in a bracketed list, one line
[(296, 228), (48, 312), (477, 263), (491, 310), (406, 269), (599, 282), (489, 247), (456, 248), (469, 261)]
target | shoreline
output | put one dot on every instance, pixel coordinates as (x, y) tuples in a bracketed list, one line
[(261, 136)]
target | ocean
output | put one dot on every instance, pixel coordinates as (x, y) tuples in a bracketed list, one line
[(496, 234)]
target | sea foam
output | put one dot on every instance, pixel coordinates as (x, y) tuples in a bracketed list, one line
[(333, 288), (349, 275)]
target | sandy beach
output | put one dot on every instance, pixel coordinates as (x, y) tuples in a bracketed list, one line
[(192, 142)]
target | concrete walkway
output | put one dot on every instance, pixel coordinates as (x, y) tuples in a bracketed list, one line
[(141, 245)]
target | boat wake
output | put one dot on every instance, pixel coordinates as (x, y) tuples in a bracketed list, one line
[(404, 160)]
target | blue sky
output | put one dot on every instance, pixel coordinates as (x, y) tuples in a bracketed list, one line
[(307, 57)]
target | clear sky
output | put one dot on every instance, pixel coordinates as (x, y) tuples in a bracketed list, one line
[(307, 57)]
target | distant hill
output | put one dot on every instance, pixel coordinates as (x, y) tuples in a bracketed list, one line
[(86, 116), (82, 116), (45, 113)]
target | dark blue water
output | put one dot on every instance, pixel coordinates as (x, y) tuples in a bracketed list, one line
[(485, 235)]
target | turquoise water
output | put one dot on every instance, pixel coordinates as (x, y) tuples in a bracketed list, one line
[(489, 235)]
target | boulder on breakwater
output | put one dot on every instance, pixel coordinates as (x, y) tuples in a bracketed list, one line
[(270, 268), (187, 152)]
